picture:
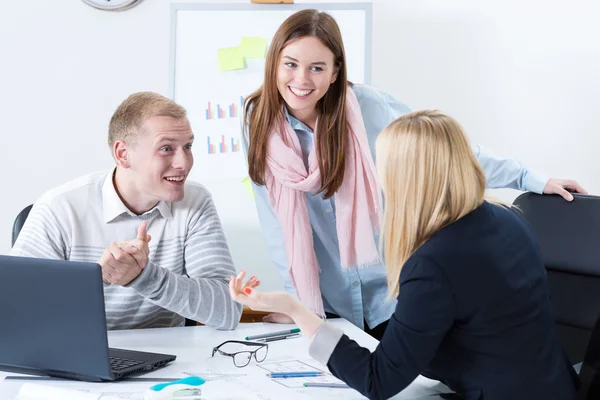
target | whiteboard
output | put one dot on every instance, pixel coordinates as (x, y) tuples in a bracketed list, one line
[(213, 96)]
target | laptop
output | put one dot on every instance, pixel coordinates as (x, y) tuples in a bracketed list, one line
[(52, 322)]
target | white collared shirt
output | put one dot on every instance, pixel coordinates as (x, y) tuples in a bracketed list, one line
[(189, 266)]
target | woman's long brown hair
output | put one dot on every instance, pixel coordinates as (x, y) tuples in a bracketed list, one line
[(264, 106)]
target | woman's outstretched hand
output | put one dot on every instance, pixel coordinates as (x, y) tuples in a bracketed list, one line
[(274, 302)]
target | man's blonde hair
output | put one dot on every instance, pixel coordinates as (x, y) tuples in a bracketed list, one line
[(131, 113), (430, 178)]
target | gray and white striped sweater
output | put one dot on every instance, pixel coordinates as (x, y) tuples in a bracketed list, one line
[(189, 266)]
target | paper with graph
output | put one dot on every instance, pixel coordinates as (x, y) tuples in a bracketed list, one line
[(298, 366)]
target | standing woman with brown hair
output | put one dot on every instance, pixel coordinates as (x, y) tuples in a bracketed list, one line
[(310, 137)]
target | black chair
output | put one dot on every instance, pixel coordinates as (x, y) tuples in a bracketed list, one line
[(19, 222), (569, 237), (589, 374), (18, 225)]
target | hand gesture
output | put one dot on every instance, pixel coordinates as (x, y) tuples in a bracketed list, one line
[(278, 302), (123, 262)]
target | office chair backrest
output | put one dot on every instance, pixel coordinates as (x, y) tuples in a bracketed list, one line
[(569, 237), (589, 374), (19, 222)]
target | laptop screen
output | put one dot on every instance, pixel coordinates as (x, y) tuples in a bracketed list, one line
[(53, 317)]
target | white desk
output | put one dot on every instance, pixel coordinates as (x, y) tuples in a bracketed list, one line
[(193, 348)]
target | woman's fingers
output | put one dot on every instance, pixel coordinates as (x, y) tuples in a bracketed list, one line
[(238, 281)]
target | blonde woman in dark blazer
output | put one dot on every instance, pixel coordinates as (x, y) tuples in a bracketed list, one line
[(473, 309)]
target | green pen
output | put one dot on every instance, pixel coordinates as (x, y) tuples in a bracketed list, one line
[(271, 334)]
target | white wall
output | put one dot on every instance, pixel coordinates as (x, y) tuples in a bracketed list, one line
[(521, 76)]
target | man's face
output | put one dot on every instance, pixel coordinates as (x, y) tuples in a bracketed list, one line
[(161, 158)]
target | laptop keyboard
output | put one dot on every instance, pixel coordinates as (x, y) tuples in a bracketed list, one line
[(119, 364)]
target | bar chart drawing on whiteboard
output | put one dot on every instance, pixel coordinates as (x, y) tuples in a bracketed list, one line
[(223, 144), (231, 110), (218, 152)]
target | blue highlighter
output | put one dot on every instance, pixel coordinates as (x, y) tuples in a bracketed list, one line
[(182, 389)]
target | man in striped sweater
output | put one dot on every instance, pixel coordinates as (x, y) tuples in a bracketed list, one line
[(157, 237)]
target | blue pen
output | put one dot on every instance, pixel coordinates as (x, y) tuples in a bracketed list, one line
[(292, 374)]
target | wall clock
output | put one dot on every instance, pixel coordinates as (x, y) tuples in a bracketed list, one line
[(112, 5)]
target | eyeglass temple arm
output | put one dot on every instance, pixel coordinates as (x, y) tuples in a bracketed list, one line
[(224, 353)]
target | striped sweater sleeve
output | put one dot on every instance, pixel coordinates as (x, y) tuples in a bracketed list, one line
[(203, 294), (42, 235)]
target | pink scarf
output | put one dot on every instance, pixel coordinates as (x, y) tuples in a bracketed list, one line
[(358, 202)]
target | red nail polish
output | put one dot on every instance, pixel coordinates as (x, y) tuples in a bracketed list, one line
[(247, 290)]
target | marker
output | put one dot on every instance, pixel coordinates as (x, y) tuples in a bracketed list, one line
[(327, 385), (274, 338), (297, 374), (271, 334)]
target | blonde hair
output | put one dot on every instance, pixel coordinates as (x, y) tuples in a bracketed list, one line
[(127, 119), (430, 179)]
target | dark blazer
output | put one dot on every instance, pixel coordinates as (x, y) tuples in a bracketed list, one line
[(473, 312)]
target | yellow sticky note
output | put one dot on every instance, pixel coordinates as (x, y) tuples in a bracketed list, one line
[(248, 186), (230, 59), (254, 47)]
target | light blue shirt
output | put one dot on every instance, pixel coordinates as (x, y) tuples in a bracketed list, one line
[(360, 294)]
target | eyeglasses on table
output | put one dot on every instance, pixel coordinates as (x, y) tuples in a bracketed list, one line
[(242, 358)]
